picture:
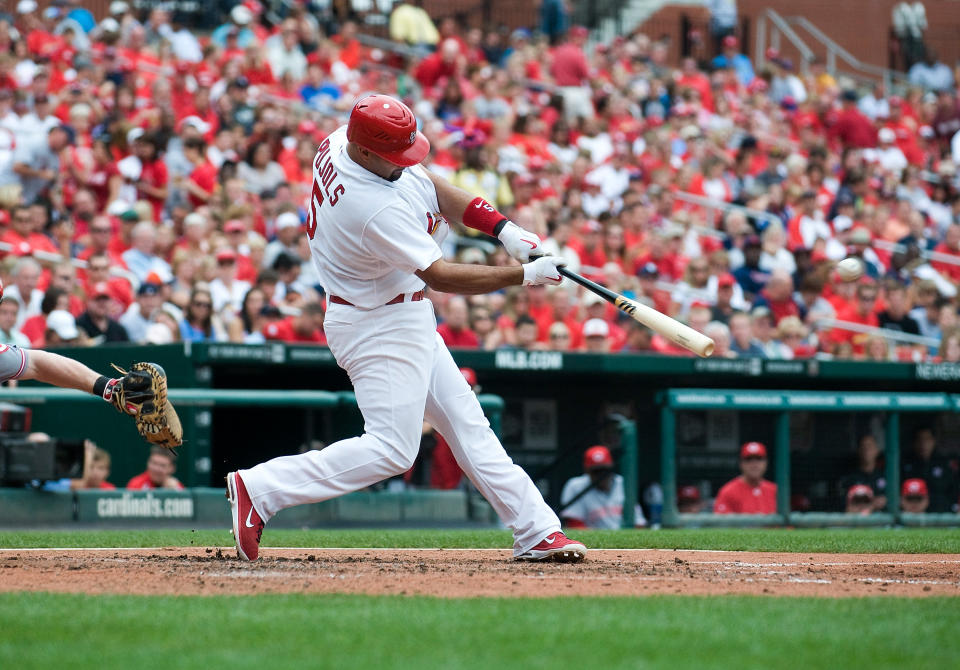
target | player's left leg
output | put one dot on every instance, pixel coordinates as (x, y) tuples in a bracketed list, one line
[(453, 409)]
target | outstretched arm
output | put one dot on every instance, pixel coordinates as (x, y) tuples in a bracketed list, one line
[(475, 279), (57, 370)]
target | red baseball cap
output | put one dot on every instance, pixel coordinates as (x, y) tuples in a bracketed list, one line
[(100, 289), (226, 255), (753, 449), (205, 79), (470, 375), (597, 457), (859, 491), (725, 280), (234, 226), (590, 226), (914, 487), (386, 127), (688, 494), (306, 127)]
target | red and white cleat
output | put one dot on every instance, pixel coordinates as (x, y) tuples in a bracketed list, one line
[(247, 524), (555, 547)]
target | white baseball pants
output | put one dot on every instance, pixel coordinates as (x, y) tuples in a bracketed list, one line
[(402, 373)]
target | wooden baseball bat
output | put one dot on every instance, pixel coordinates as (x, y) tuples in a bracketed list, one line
[(658, 322)]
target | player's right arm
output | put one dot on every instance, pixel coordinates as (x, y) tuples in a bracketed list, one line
[(473, 212), (390, 237)]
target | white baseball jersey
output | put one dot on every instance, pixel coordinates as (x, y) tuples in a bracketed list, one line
[(369, 235), (596, 508)]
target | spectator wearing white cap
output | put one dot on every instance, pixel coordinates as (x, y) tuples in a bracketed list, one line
[(288, 229), (226, 290), (62, 330), (887, 154), (240, 19), (26, 7), (596, 336)]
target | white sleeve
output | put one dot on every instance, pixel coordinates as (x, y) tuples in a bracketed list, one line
[(393, 237), (576, 510)]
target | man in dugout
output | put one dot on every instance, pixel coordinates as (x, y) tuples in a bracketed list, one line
[(749, 493), (595, 499)]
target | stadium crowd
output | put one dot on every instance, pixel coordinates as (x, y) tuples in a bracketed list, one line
[(153, 183)]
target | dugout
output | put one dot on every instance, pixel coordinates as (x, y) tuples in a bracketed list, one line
[(556, 405)]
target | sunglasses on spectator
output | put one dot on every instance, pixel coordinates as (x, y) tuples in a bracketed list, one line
[(206, 305), (98, 268), (913, 498), (23, 219), (755, 458), (868, 298), (861, 500), (559, 336)]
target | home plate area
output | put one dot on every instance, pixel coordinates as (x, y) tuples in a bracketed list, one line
[(473, 573)]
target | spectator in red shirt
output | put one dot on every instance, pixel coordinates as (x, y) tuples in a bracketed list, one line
[(96, 469), (21, 234), (778, 296), (749, 493), (152, 184), (852, 128), (571, 73), (161, 464), (202, 182), (863, 312), (951, 247), (304, 328), (445, 63), (455, 329)]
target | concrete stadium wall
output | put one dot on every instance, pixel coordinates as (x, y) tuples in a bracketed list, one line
[(205, 507)]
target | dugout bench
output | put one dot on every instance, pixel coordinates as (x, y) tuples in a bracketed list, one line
[(782, 404)]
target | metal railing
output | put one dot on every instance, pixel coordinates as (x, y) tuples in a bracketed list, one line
[(888, 334), (937, 256), (771, 26), (712, 206), (835, 51), (778, 27)]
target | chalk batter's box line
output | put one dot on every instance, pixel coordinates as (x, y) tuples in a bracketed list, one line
[(493, 549)]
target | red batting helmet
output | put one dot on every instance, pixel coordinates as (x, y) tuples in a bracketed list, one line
[(388, 128)]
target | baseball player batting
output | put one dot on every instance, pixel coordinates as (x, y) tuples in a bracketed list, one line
[(375, 224)]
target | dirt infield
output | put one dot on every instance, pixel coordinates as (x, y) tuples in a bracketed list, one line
[(465, 573)]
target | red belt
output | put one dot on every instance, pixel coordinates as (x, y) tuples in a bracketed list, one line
[(415, 297)]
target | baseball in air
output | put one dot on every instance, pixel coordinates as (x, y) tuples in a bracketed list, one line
[(850, 269)]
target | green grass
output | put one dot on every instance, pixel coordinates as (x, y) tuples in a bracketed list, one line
[(299, 631), (898, 541)]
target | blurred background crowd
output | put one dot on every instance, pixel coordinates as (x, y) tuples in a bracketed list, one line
[(153, 181)]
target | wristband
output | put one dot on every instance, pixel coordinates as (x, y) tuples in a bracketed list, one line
[(481, 215)]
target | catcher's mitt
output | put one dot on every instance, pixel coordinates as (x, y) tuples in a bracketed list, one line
[(142, 393)]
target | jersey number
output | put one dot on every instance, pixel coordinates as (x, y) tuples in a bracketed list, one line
[(316, 201)]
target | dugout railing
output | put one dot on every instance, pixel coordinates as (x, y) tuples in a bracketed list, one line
[(782, 404), (340, 407), (492, 405)]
